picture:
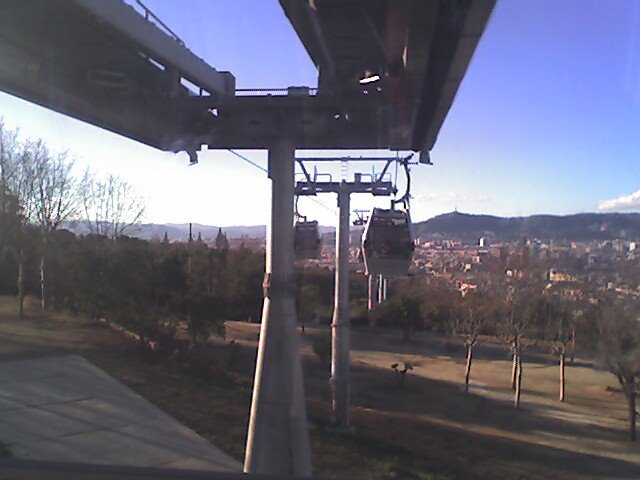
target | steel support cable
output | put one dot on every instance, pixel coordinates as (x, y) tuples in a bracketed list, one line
[(259, 167), (250, 162)]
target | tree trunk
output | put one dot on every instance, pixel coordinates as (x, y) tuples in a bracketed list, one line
[(573, 345), (562, 383), (43, 303), (468, 370), (631, 397), (21, 286), (371, 301), (518, 381), (514, 371)]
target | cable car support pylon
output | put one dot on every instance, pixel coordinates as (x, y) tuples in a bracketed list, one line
[(278, 438), (377, 185)]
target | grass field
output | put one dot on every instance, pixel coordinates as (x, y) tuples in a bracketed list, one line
[(429, 429)]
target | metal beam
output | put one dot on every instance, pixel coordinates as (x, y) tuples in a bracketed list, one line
[(374, 188), (346, 159), (315, 122), (341, 322)]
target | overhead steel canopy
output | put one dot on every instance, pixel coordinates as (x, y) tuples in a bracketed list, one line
[(419, 48), (104, 63)]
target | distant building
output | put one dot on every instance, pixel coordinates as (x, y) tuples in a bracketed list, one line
[(483, 242), (465, 288), (555, 276), (222, 243)]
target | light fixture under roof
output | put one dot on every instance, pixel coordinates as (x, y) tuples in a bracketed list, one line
[(369, 77)]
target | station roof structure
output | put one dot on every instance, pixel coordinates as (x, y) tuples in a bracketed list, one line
[(388, 72)]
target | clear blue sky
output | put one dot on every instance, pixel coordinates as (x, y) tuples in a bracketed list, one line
[(547, 119)]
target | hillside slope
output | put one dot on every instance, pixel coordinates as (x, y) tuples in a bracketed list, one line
[(579, 227)]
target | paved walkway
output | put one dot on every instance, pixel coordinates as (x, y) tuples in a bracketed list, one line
[(66, 409)]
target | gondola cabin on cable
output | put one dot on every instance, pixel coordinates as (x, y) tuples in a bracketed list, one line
[(359, 222), (356, 261), (387, 243), (307, 242)]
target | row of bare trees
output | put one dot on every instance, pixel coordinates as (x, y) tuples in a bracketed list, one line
[(64, 234), (619, 348), (46, 192), (533, 314)]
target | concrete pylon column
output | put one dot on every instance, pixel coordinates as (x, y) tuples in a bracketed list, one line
[(371, 300), (278, 437), (341, 324)]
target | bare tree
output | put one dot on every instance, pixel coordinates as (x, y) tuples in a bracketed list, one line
[(17, 175), (8, 153), (521, 308), (57, 198), (111, 206), (563, 316), (21, 178), (8, 147), (515, 327), (619, 349), (468, 324)]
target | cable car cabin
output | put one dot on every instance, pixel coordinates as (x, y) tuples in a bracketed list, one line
[(356, 263), (307, 242), (387, 243)]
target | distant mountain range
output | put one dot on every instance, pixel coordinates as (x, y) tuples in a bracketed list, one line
[(578, 227), (454, 225), (180, 231)]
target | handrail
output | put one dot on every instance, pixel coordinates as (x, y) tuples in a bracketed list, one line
[(271, 91), (148, 13)]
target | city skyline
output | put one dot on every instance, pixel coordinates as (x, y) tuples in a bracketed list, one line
[(544, 122)]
